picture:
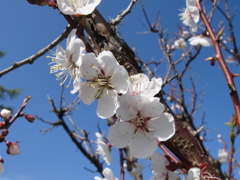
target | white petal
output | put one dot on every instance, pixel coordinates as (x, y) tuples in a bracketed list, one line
[(150, 107), (88, 8), (65, 7), (159, 163), (153, 87), (107, 104), (89, 67), (108, 174), (70, 43), (164, 127), (78, 51), (142, 146), (138, 83), (121, 134), (194, 174), (108, 62), (76, 85), (190, 3), (120, 79), (194, 40), (128, 109), (87, 93), (204, 41)]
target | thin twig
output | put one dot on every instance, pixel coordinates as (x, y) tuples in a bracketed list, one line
[(34, 57), (118, 19)]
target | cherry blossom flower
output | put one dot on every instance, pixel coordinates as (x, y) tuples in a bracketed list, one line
[(108, 174), (77, 7), (202, 40), (140, 84), (105, 78), (222, 155), (13, 148), (142, 122), (160, 172), (1, 165), (190, 16), (194, 174), (6, 114), (103, 149), (180, 44), (66, 62)]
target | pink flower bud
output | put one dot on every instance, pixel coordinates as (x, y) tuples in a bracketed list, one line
[(29, 117), (4, 132), (6, 114), (2, 125), (13, 148)]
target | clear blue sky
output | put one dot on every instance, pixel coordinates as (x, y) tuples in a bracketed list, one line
[(27, 28)]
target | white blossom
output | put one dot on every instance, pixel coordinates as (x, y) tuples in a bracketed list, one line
[(142, 121), (190, 15), (77, 7), (140, 84), (223, 155), (105, 78), (66, 62), (103, 149), (194, 174), (13, 148), (202, 40), (160, 172), (108, 174), (180, 44), (6, 114)]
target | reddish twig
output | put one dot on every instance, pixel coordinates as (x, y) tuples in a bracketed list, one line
[(228, 75), (19, 112), (165, 150), (121, 164)]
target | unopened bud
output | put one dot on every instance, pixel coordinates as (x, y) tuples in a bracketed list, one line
[(236, 75), (220, 33), (2, 125), (29, 117), (4, 132), (1, 160), (13, 148), (38, 2), (6, 114), (212, 62)]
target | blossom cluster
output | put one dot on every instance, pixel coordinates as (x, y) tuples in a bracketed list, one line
[(190, 17), (12, 148), (141, 117), (141, 120)]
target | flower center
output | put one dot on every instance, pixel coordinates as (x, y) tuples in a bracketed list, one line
[(100, 82), (140, 122)]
